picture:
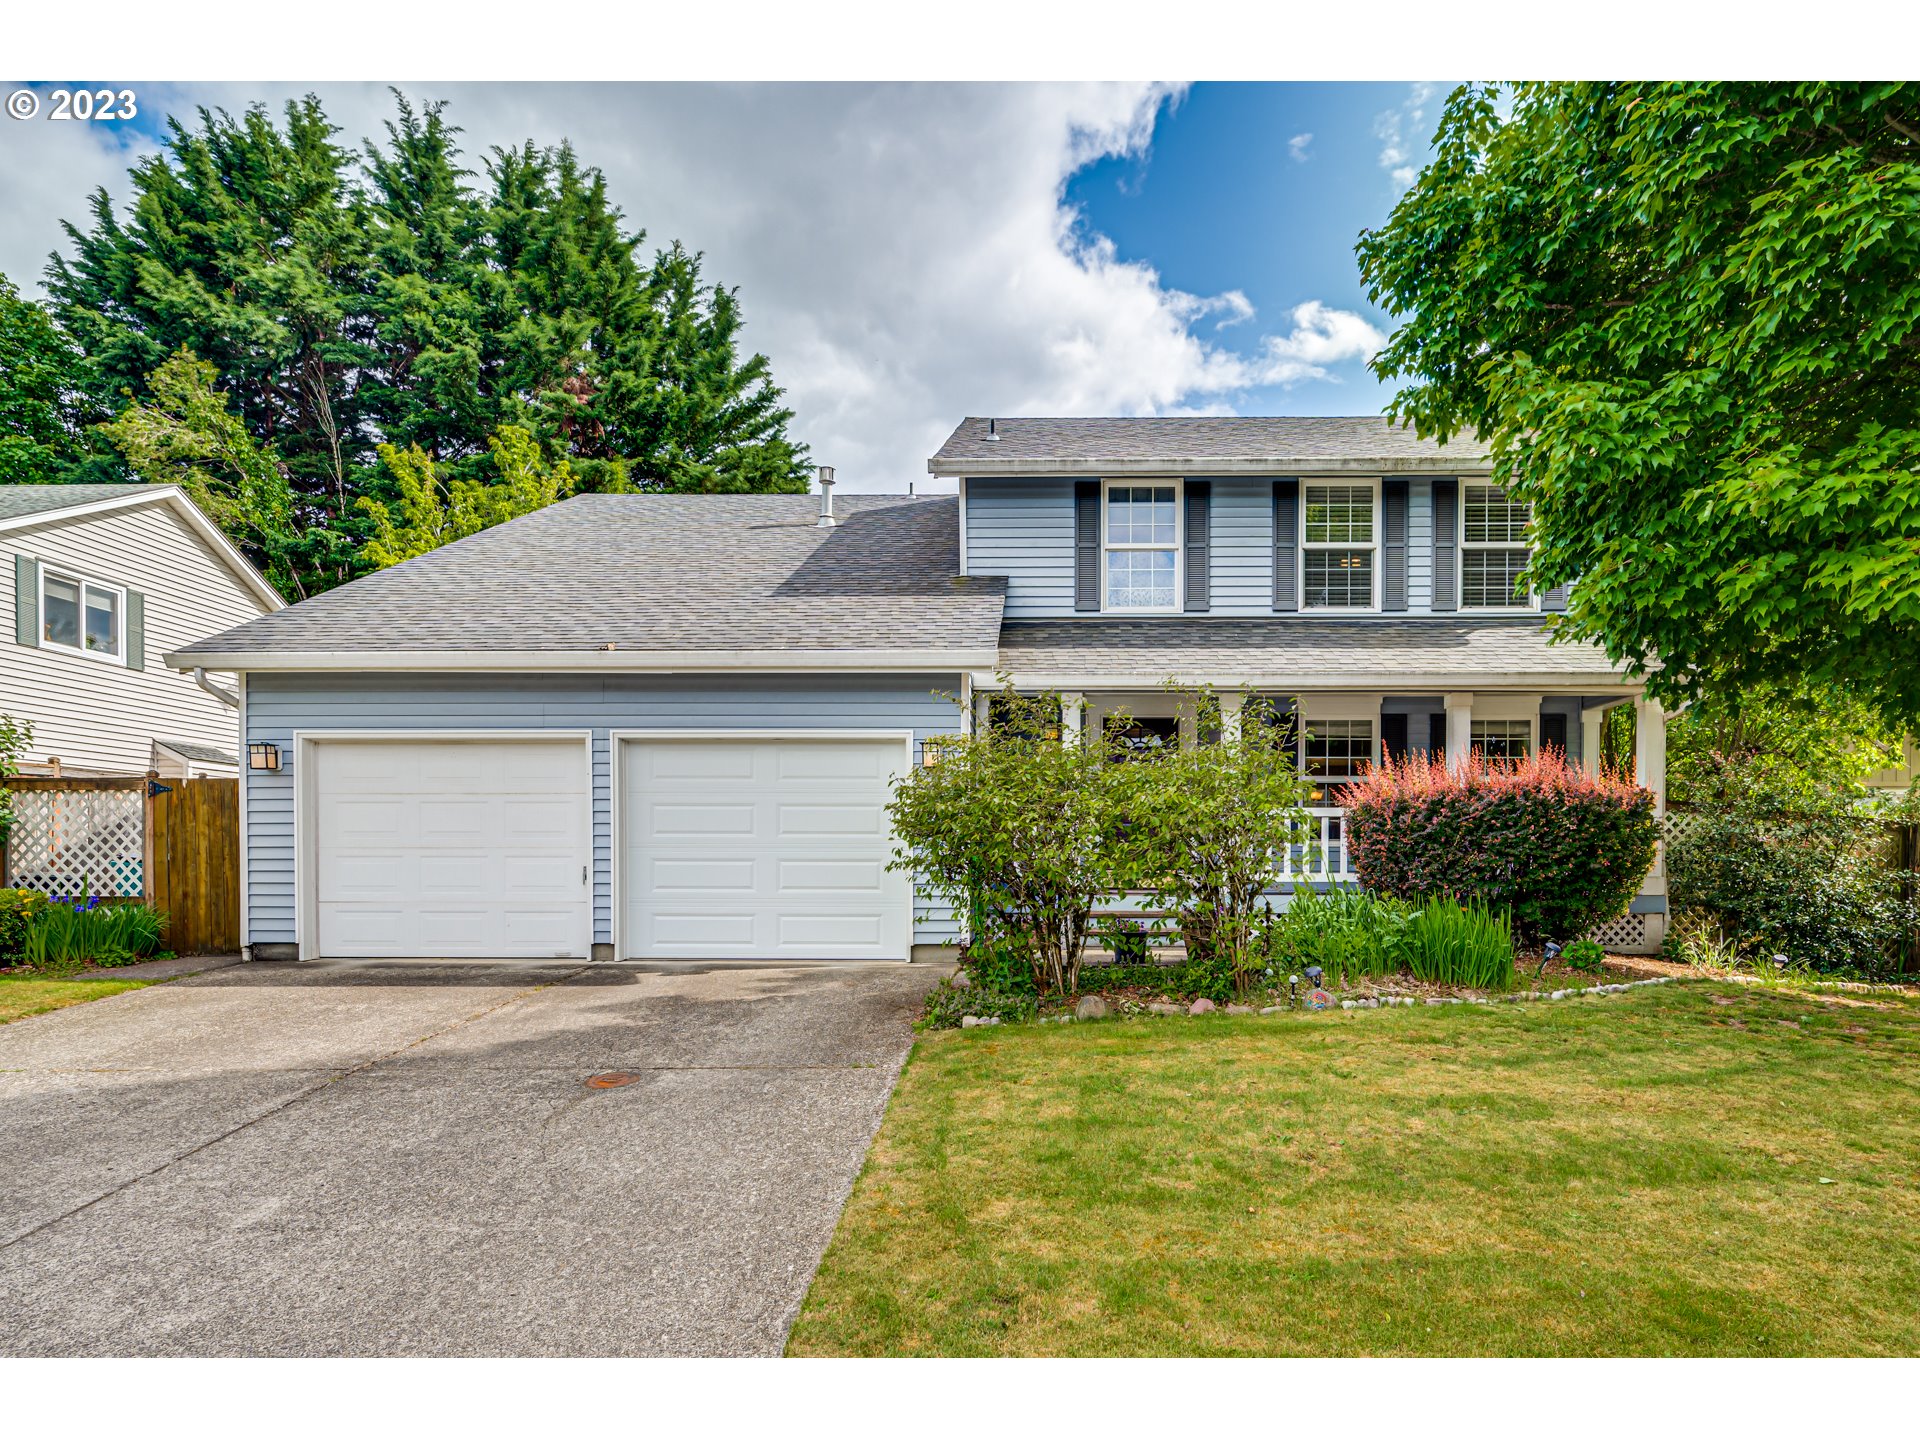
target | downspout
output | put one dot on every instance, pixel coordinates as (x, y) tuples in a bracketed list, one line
[(224, 696)]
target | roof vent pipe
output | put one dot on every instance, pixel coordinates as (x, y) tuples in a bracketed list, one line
[(826, 520), (993, 429)]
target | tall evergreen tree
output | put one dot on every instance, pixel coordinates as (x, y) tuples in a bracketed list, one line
[(391, 297), (45, 408)]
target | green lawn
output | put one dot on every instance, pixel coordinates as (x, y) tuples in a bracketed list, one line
[(1642, 1174), (24, 995)]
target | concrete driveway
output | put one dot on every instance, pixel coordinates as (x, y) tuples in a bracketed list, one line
[(405, 1159)]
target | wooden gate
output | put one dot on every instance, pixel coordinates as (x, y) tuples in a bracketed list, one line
[(193, 838)]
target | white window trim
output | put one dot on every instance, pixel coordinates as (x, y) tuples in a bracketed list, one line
[(116, 656), (1179, 546), (1532, 601), (1311, 710), (1532, 722), (1306, 546)]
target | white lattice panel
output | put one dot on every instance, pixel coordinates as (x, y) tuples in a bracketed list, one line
[(1626, 936), (78, 842)]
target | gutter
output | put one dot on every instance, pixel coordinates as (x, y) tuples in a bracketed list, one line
[(219, 692)]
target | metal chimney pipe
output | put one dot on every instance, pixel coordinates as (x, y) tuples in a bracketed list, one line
[(826, 520)]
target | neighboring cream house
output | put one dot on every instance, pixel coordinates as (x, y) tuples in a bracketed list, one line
[(103, 580)]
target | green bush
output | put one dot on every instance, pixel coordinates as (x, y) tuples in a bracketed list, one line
[(1768, 868), (17, 909), (1468, 945), (1349, 934), (947, 1004), (1584, 954), (1561, 850), (88, 933)]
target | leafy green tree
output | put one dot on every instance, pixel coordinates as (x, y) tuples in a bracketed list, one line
[(183, 433), (390, 297), (15, 737), (1686, 316), (432, 509), (1805, 744), (44, 411)]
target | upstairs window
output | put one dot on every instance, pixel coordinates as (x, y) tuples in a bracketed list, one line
[(1338, 545), (1494, 546), (1142, 546), (81, 615)]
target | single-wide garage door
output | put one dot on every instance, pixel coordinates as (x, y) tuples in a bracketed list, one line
[(463, 849), (762, 849)]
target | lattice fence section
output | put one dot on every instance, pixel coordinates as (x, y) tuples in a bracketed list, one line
[(78, 842), (1678, 824)]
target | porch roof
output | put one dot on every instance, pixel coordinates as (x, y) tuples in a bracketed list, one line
[(1398, 653)]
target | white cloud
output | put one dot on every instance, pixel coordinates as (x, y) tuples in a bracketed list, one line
[(1297, 146), (905, 254), (1402, 134), (1321, 337)]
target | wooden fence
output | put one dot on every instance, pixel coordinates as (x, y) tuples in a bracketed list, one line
[(193, 864), (177, 847)]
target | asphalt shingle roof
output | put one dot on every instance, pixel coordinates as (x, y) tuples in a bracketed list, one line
[(1364, 650), (662, 573), (1189, 441), (207, 754), (18, 501)]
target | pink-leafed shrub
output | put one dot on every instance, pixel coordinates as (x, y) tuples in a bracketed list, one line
[(1562, 850)]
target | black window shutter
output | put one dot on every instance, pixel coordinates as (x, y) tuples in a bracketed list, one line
[(136, 630), (1437, 734), (1393, 735), (26, 600), (1086, 544), (1286, 545), (1446, 548), (1555, 599), (1393, 536), (1199, 544), (1553, 731)]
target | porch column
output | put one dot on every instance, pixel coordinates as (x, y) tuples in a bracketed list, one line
[(1230, 703), (1593, 720), (1650, 773), (1459, 728), (1073, 709)]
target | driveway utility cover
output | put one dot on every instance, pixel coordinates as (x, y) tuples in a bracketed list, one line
[(411, 1160)]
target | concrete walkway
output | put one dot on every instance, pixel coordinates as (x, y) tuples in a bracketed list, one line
[(405, 1159)]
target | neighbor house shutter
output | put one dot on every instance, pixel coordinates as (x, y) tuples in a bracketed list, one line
[(1393, 538), (1393, 736), (1199, 544), (136, 630), (1555, 599), (1446, 548), (1286, 545), (1086, 544), (26, 600), (1553, 731)]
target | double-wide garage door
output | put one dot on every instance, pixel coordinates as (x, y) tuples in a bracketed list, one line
[(728, 848), (741, 848)]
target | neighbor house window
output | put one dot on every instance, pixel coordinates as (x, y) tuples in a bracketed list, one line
[(1493, 548), (1502, 739), (1142, 548), (1336, 751), (1337, 547), (78, 614)]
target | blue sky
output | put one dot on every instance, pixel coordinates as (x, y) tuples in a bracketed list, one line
[(907, 254)]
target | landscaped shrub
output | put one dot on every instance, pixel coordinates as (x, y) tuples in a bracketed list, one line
[(947, 1005), (1350, 934), (1468, 945), (17, 909), (1561, 850), (85, 932), (1583, 954), (1768, 868)]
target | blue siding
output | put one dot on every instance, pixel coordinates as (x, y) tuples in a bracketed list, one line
[(278, 705), (1023, 529), (1242, 552)]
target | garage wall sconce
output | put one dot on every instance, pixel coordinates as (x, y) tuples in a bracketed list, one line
[(263, 756)]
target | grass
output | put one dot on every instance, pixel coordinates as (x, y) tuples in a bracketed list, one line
[(1698, 1169), (24, 995)]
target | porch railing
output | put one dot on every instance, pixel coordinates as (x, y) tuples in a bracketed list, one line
[(1322, 853)]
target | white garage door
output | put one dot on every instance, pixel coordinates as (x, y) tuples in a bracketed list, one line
[(450, 848), (762, 849)]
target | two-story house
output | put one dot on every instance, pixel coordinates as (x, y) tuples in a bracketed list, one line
[(667, 726), (104, 580)]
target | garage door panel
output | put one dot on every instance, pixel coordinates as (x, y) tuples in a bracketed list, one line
[(435, 848), (761, 849)]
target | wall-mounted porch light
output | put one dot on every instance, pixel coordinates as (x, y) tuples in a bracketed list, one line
[(263, 756)]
